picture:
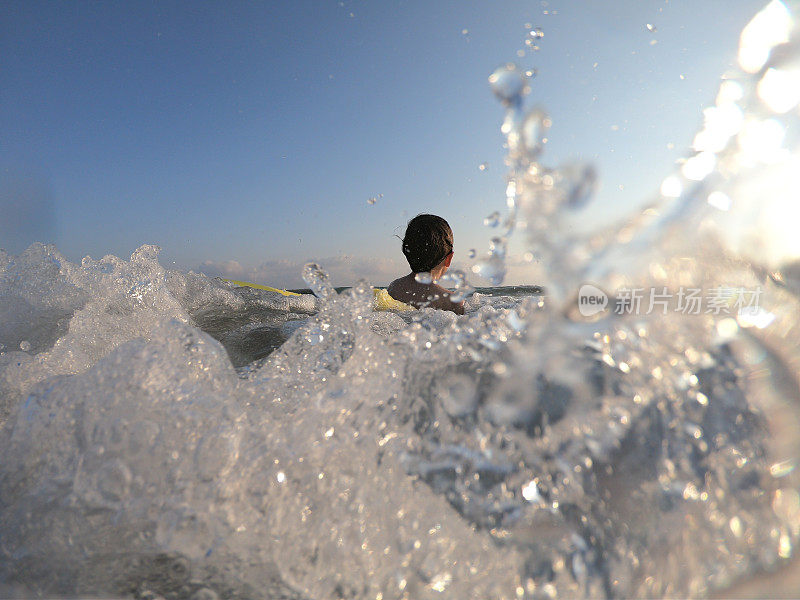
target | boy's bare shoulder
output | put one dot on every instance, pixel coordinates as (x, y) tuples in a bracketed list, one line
[(398, 286), (419, 295)]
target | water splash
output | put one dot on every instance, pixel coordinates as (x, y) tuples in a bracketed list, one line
[(493, 220), (534, 131), (740, 148), (457, 281), (508, 83), (533, 37), (578, 182), (318, 281), (492, 268), (517, 451)]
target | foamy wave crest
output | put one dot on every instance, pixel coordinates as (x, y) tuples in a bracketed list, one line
[(148, 464)]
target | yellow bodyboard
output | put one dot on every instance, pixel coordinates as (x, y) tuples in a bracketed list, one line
[(381, 298), (261, 287), (383, 301)]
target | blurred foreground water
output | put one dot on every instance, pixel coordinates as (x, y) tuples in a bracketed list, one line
[(168, 435)]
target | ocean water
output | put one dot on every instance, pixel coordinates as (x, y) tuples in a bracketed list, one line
[(167, 435)]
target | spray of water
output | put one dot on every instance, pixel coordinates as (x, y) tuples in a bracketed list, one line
[(524, 450)]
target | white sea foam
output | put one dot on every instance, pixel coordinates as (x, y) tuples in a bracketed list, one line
[(171, 435)]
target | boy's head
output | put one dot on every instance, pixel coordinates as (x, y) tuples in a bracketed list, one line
[(428, 241)]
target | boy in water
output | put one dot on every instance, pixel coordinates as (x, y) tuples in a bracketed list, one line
[(428, 247)]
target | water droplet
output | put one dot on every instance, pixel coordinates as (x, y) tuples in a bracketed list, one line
[(580, 184), (471, 253), (24, 345), (483, 166), (699, 166), (424, 278), (651, 28), (457, 280), (315, 337), (508, 83), (671, 187), (780, 89), (530, 492), (720, 200), (537, 33), (785, 546), (531, 44), (493, 220), (782, 468), (736, 526), (534, 130), (727, 328), (492, 269), (464, 31), (515, 321), (317, 280), (374, 199), (204, 594), (761, 141), (766, 30), (440, 582), (497, 247)]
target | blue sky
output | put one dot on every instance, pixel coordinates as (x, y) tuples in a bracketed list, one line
[(248, 137)]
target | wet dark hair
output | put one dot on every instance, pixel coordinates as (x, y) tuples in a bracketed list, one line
[(428, 241)]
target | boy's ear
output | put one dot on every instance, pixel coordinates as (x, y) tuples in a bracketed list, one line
[(448, 259)]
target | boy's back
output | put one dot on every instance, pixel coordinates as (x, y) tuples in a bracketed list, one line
[(420, 295)]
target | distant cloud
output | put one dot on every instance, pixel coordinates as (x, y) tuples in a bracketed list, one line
[(343, 271), (229, 269)]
